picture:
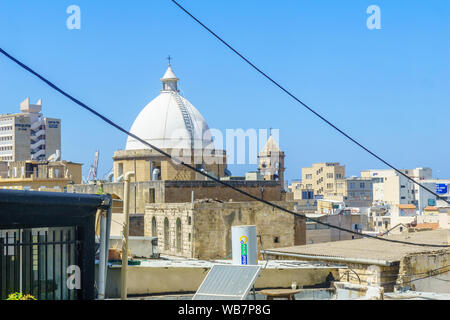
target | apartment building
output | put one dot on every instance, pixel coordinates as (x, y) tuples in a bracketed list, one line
[(354, 191), (323, 177), (425, 198), (39, 175), (392, 188), (28, 135)]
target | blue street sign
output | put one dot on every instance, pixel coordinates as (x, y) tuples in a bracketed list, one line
[(441, 188)]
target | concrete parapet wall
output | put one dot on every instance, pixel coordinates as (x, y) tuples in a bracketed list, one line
[(159, 280)]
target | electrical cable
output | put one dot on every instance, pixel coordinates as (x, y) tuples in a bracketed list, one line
[(429, 274), (202, 172), (305, 105), (408, 274)]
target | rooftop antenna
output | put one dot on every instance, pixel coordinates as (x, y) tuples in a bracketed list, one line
[(93, 168)]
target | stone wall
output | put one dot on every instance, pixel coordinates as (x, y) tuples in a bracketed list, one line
[(206, 227), (181, 191), (167, 233), (426, 272), (148, 191)]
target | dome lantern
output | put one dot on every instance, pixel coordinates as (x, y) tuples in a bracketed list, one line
[(170, 80)]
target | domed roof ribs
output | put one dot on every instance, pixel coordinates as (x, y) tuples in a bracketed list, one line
[(186, 117)]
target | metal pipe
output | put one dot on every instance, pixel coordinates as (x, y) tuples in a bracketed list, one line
[(105, 229), (126, 213), (102, 262), (329, 258), (108, 228)]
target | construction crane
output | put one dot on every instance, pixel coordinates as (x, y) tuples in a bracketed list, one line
[(93, 169)]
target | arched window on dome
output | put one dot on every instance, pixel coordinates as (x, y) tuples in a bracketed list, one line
[(170, 86)]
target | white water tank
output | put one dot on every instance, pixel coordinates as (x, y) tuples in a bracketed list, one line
[(244, 245)]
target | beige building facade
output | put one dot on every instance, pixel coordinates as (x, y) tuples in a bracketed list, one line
[(318, 233), (271, 161), (323, 177), (39, 175), (29, 135), (150, 165)]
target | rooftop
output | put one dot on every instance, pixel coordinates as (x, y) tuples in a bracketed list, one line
[(368, 251), (170, 261), (406, 206)]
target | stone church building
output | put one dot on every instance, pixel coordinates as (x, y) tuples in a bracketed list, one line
[(190, 215)]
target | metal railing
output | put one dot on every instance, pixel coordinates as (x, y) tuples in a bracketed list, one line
[(37, 261)]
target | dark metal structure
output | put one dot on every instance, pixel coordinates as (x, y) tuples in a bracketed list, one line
[(47, 244)]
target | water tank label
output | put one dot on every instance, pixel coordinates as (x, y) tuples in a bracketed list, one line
[(243, 241)]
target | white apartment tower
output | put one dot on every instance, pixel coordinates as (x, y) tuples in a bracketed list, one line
[(29, 135), (392, 188)]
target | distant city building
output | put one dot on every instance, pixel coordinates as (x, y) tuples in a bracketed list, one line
[(426, 199), (390, 187), (271, 161), (354, 191), (254, 176), (29, 135), (322, 177), (300, 192), (318, 233), (39, 175)]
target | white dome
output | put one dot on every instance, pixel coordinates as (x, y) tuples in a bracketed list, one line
[(170, 121)]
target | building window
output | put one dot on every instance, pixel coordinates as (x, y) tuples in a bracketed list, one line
[(178, 233), (329, 175), (120, 170), (362, 185), (166, 234), (308, 176), (276, 240), (154, 230), (329, 186)]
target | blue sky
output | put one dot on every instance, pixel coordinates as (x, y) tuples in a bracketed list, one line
[(389, 88)]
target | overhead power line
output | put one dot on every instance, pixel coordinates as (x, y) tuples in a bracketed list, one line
[(110, 122), (304, 104), (399, 281)]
